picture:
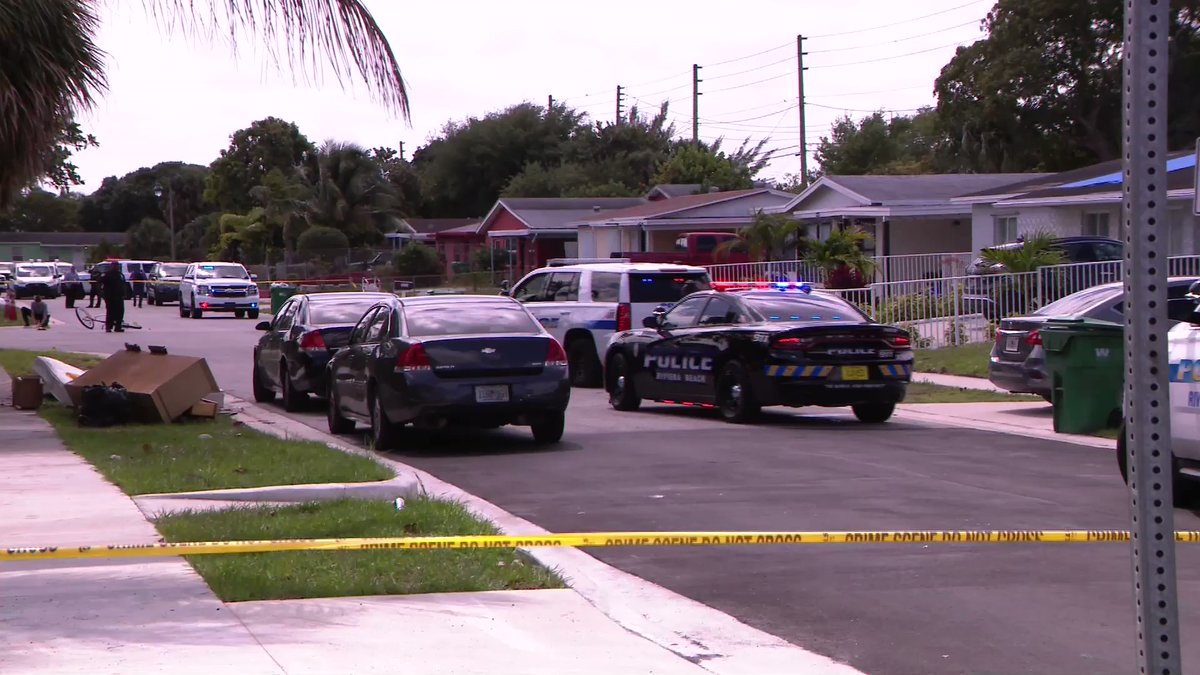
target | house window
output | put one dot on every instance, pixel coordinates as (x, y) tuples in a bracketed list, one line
[(1095, 224), (1006, 229)]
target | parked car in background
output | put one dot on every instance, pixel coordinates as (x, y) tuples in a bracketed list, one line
[(164, 280), (1018, 362), (1074, 250), (693, 248), (217, 287), (36, 278), (436, 361), (292, 356)]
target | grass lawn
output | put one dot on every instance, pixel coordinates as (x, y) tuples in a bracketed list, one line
[(319, 574), (970, 360), (920, 392), (17, 362), (143, 459)]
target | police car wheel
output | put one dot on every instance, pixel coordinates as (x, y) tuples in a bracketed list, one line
[(735, 398), (1185, 490), (582, 363), (621, 393), (873, 413)]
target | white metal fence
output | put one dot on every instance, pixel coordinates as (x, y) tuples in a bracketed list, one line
[(888, 268)]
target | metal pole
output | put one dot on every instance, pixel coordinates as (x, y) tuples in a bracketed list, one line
[(1147, 404), (620, 113), (171, 216), (696, 103), (803, 138)]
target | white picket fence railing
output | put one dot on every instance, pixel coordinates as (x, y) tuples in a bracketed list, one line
[(961, 309), (888, 268)]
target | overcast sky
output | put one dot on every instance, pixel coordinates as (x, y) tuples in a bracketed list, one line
[(173, 98)]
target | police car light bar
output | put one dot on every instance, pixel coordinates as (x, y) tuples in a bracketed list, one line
[(784, 286)]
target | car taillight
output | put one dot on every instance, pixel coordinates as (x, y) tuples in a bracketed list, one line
[(624, 316), (901, 342), (1034, 339), (313, 342), (555, 356), (413, 358), (792, 344)]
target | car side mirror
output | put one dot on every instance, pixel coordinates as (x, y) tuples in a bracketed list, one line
[(263, 325), (253, 277)]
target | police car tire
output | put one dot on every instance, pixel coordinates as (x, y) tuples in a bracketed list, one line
[(582, 363), (262, 393), (1184, 490), (747, 408), (873, 413), (548, 427), (627, 400)]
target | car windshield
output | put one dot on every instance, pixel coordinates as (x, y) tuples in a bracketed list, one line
[(338, 311), (660, 287), (1079, 303), (467, 319), (34, 271), (804, 308), (170, 270), (221, 272)]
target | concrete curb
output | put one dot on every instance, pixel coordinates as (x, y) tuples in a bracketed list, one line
[(912, 412), (711, 639), (154, 505)]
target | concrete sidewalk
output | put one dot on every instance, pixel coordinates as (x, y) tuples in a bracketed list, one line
[(132, 616), (957, 381)]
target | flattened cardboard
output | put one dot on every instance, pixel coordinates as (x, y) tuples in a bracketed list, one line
[(206, 408), (27, 393), (161, 387)]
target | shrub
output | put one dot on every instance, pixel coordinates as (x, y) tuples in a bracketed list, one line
[(322, 242), (418, 260)]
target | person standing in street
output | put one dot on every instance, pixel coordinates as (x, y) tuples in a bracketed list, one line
[(71, 287), (113, 289), (96, 281), (137, 278)]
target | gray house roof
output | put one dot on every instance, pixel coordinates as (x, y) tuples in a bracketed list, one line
[(553, 213), (79, 239), (927, 188)]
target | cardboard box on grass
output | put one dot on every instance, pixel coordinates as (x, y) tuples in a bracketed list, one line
[(161, 386)]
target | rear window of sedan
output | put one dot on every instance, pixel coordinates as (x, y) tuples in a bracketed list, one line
[(1079, 303), (460, 319), (323, 313)]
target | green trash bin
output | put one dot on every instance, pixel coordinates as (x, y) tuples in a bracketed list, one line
[(279, 295), (1085, 359)]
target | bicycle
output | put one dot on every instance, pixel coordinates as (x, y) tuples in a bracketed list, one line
[(89, 321)]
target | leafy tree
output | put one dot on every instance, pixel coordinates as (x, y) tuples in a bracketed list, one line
[(465, 169), (349, 193), (61, 172), (874, 145), (266, 145), (842, 258), (322, 242), (195, 239), (149, 239), (418, 260), (242, 238), (40, 211), (120, 203), (404, 179), (710, 167), (283, 197), (51, 68), (770, 236), (487, 259), (103, 251)]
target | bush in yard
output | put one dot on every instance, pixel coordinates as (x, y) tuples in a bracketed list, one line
[(322, 242), (487, 259), (913, 307), (418, 260)]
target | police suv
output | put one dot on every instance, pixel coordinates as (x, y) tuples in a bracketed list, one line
[(582, 302), (1183, 354)]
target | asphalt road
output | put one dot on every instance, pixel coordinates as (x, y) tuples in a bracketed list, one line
[(889, 609)]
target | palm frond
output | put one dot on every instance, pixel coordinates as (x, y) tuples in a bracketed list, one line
[(343, 30)]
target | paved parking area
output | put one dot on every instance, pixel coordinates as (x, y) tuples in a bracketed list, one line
[(886, 608)]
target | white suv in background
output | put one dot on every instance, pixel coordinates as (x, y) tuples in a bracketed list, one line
[(583, 303), (218, 287)]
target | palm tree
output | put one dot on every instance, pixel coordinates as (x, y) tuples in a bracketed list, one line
[(1036, 250), (768, 237), (350, 193), (842, 258), (51, 68)]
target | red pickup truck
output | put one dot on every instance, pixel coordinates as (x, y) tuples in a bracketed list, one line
[(693, 248)]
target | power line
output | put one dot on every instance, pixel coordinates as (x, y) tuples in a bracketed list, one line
[(879, 110), (760, 107), (757, 117), (889, 58), (895, 23), (750, 84), (790, 59), (749, 56), (905, 39), (877, 91)]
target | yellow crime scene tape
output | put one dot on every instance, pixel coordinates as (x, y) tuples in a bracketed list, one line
[(582, 540)]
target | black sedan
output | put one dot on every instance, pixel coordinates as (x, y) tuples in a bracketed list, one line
[(437, 361), (292, 356), (739, 350), (1018, 362)]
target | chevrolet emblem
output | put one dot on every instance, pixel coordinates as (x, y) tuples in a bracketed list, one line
[(488, 350)]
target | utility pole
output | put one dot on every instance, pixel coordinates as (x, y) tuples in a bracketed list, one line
[(803, 138), (620, 103), (401, 151), (696, 103), (549, 104)]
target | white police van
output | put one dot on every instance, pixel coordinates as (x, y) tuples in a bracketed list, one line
[(1183, 355), (582, 302)]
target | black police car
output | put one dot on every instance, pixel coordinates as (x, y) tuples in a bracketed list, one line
[(739, 348)]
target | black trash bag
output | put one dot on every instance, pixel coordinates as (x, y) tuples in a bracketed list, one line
[(103, 405)]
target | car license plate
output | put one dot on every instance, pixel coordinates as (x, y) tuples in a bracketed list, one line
[(1012, 343), (491, 393), (854, 373)]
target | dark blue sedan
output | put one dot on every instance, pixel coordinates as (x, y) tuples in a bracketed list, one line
[(438, 361)]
